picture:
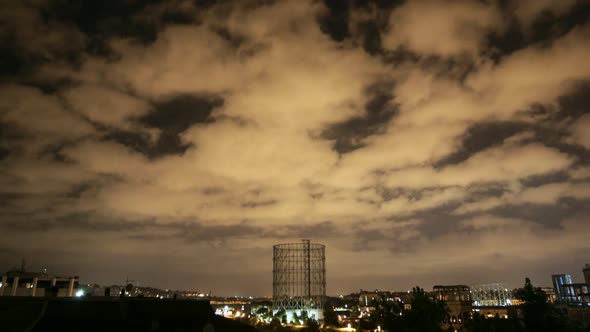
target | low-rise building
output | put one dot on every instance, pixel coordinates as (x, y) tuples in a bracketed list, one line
[(550, 292), (576, 294), (503, 312), (459, 301), (38, 284)]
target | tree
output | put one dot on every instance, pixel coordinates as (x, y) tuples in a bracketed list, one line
[(275, 324), (330, 316), (539, 315), (384, 311), (312, 325), (426, 315), (535, 306), (480, 323), (281, 316), (264, 313), (301, 318)]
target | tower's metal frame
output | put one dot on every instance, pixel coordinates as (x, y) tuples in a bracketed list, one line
[(299, 276)]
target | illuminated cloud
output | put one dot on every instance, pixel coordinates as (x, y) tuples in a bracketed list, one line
[(444, 28), (580, 132)]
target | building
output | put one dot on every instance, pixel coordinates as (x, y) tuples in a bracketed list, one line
[(454, 293), (23, 283), (299, 280), (579, 314), (573, 294), (502, 312), (550, 292), (558, 281), (368, 301), (491, 295), (576, 294), (459, 300)]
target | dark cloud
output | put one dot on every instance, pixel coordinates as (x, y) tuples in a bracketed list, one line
[(549, 26), (199, 233), (176, 114), (234, 39), (371, 36), (104, 18), (30, 38), (434, 222), (413, 194), (341, 21), (13, 62), (545, 28), (506, 41), (171, 117), (569, 107), (574, 105), (539, 180), (379, 110), (546, 215), (4, 152), (9, 135), (86, 222), (322, 229), (335, 21), (258, 203), (366, 239), (482, 136), (488, 190), (166, 144), (54, 152), (557, 138), (485, 135), (78, 190)]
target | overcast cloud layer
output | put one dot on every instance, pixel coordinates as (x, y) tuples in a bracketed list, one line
[(424, 142)]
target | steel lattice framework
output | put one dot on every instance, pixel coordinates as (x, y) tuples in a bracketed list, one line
[(299, 276), (491, 295)]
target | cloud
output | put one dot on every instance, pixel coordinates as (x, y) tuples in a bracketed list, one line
[(426, 28), (35, 36), (580, 132), (229, 127), (106, 106), (545, 194), (519, 81), (529, 11), (580, 173), (506, 163), (489, 222), (40, 115)]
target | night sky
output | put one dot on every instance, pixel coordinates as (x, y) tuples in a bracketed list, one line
[(174, 142)]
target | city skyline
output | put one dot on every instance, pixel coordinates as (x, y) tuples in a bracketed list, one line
[(175, 142), (575, 278)]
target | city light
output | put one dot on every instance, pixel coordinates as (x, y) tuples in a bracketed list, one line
[(80, 293)]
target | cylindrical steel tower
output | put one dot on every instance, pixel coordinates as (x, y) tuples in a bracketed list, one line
[(299, 278)]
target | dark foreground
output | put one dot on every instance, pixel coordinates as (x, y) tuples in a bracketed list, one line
[(111, 314)]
